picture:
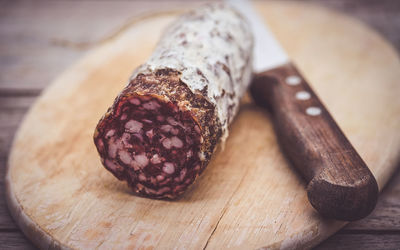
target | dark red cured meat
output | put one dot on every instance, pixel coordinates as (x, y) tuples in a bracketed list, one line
[(163, 128), (150, 142)]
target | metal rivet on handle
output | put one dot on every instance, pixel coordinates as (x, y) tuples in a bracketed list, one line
[(303, 95), (313, 111), (293, 80)]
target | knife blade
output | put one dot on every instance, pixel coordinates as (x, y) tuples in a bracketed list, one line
[(267, 51), (339, 183)]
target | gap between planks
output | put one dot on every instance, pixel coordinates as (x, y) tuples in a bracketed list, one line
[(370, 231), (19, 92)]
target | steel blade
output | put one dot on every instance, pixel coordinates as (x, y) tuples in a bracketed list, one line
[(267, 51)]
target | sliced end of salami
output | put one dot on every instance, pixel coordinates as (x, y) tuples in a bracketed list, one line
[(152, 144), (163, 128)]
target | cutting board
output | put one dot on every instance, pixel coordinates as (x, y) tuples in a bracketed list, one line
[(249, 196)]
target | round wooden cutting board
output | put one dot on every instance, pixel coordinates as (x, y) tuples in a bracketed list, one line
[(249, 196)]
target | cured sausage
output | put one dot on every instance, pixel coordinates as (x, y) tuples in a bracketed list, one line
[(163, 128)]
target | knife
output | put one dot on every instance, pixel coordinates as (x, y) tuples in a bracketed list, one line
[(339, 183)]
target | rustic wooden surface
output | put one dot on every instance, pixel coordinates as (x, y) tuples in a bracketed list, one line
[(39, 40)]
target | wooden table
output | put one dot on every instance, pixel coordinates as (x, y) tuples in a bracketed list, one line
[(38, 40)]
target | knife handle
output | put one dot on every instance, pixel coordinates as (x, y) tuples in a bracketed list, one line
[(340, 185)]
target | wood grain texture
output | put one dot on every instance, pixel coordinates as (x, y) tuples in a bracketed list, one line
[(12, 110), (14, 240), (362, 241), (382, 218), (219, 203), (339, 184), (59, 29), (382, 15), (6, 222)]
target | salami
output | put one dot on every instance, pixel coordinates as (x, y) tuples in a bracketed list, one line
[(163, 128)]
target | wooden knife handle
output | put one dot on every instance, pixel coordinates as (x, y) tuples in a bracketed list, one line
[(340, 185)]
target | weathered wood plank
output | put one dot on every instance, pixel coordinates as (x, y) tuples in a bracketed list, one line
[(380, 230), (16, 103), (386, 215), (49, 55), (12, 111), (57, 34), (361, 241), (6, 222), (14, 240), (382, 15), (32, 55)]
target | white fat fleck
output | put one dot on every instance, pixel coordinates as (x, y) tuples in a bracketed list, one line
[(141, 160), (167, 143), (142, 177), (303, 95), (133, 126), (160, 178), (313, 111), (152, 105), (202, 157), (163, 190), (168, 168), (113, 147), (166, 128), (172, 121), (182, 174), (135, 101), (176, 142), (155, 159), (200, 44), (110, 133), (147, 121), (125, 157), (150, 134), (125, 140), (112, 151), (123, 117)]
